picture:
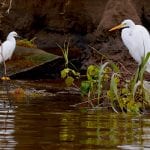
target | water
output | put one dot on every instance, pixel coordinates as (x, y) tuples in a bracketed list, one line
[(49, 123)]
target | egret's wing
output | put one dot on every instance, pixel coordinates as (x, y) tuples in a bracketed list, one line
[(145, 39), (137, 40), (7, 49)]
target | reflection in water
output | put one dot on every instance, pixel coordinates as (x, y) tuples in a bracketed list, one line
[(7, 129), (50, 123), (95, 130)]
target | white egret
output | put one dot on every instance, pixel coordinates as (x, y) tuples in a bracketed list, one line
[(136, 38), (7, 48)]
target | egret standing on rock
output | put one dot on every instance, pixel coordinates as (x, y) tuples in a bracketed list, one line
[(137, 39), (7, 48)]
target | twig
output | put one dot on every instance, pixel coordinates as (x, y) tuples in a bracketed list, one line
[(85, 102), (125, 68), (10, 6), (109, 60), (100, 53)]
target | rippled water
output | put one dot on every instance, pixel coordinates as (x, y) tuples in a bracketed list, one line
[(49, 123)]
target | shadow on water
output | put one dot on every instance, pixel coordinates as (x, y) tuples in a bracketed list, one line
[(48, 123)]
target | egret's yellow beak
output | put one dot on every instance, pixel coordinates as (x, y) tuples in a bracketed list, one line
[(117, 27)]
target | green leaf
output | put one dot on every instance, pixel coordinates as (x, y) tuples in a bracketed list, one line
[(85, 87), (139, 75), (143, 65), (115, 67), (65, 50), (134, 80), (113, 86), (114, 92), (125, 91), (135, 88), (92, 72), (133, 107), (77, 74), (65, 72), (100, 76), (69, 81)]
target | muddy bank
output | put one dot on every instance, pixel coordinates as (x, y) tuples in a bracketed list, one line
[(85, 22)]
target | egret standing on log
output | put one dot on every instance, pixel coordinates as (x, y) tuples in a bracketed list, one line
[(137, 39), (6, 50)]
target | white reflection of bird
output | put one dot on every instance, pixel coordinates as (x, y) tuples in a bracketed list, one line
[(7, 48), (137, 39)]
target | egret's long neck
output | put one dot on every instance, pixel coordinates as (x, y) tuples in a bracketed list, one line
[(11, 38), (132, 25), (129, 29)]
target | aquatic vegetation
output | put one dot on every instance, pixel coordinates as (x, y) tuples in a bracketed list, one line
[(104, 83), (65, 50), (67, 73), (27, 43)]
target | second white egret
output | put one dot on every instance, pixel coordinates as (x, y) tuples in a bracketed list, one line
[(137, 39), (7, 48)]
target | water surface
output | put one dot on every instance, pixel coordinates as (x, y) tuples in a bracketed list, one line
[(49, 122)]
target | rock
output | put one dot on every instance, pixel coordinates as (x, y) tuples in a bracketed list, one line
[(53, 16), (114, 13), (26, 60)]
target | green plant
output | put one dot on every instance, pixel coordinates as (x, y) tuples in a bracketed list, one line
[(124, 95), (105, 82), (27, 43), (67, 73), (65, 50), (98, 78)]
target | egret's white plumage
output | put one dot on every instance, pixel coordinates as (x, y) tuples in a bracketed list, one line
[(136, 38), (7, 48)]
